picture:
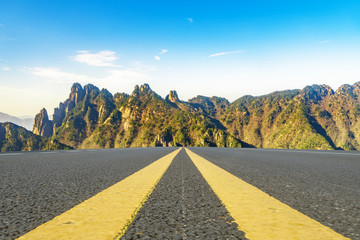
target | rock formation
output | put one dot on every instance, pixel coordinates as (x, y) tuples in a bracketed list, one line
[(315, 117), (43, 126), (172, 97), (16, 138)]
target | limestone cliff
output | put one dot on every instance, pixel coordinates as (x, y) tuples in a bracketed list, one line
[(43, 126), (172, 97), (315, 117)]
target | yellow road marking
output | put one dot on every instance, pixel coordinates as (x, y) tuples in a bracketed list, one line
[(107, 214), (257, 214)]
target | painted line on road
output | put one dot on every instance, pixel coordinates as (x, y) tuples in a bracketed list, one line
[(10, 154), (49, 152), (330, 152), (107, 214), (258, 214)]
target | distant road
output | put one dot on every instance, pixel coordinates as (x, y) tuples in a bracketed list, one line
[(35, 187)]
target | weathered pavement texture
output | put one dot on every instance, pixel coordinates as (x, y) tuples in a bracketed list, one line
[(183, 206), (324, 185), (35, 187)]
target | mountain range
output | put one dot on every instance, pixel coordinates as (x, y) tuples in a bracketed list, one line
[(26, 122), (315, 117), (16, 138)]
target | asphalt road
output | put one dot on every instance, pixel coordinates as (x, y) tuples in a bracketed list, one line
[(323, 185), (183, 206), (37, 186)]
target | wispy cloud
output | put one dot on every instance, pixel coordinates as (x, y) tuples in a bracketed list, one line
[(57, 74), (324, 42), (190, 20), (112, 78), (5, 68), (163, 51), (225, 53), (100, 59)]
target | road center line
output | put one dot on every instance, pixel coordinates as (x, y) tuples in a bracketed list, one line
[(107, 214), (183, 208), (10, 154), (258, 214)]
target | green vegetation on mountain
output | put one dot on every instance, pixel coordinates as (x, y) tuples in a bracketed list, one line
[(315, 117), (26, 122), (16, 138), (142, 119)]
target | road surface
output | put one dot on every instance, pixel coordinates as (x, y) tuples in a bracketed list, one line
[(37, 186), (321, 187)]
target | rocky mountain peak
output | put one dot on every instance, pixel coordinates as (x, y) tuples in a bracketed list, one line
[(145, 88), (77, 93), (89, 88), (43, 126), (136, 91), (44, 113), (120, 96), (105, 93), (173, 97), (344, 89), (356, 85), (316, 92), (356, 88), (76, 87)]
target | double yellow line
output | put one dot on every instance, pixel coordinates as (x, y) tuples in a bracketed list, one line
[(108, 214)]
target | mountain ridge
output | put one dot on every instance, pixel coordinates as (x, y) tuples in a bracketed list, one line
[(26, 122), (315, 117), (17, 138)]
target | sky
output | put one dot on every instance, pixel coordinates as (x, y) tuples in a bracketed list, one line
[(211, 48)]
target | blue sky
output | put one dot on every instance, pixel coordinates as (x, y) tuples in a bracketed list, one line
[(223, 48)]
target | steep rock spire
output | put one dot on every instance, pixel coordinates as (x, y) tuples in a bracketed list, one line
[(173, 97), (43, 126)]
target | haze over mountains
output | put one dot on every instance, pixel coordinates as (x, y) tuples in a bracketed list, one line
[(26, 122), (315, 117)]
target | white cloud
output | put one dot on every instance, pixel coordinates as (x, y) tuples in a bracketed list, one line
[(163, 51), (5, 68), (100, 59), (113, 79), (190, 20), (225, 53), (58, 75), (324, 42)]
